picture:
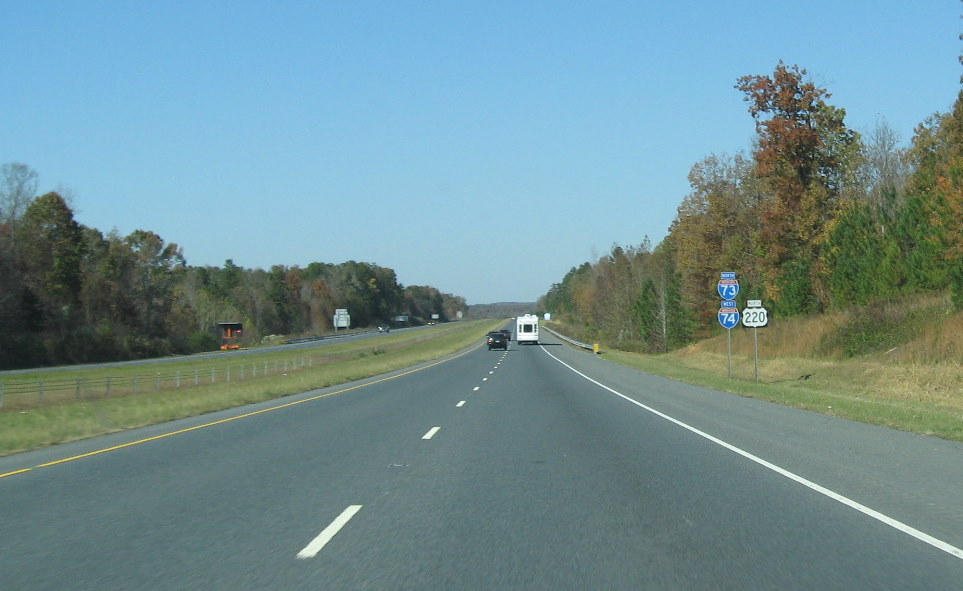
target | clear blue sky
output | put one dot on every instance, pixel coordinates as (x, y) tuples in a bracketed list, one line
[(484, 148)]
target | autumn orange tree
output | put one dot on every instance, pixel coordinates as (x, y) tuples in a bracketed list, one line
[(617, 287), (804, 155), (630, 298), (716, 229), (571, 299), (815, 218)]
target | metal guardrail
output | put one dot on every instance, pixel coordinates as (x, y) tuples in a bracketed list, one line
[(325, 337), (571, 341)]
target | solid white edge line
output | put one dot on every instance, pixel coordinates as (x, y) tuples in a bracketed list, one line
[(894, 523), (431, 433), (312, 549)]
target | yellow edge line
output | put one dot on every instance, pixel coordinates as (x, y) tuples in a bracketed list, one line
[(243, 416)]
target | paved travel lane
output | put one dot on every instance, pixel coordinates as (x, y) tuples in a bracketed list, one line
[(491, 470)]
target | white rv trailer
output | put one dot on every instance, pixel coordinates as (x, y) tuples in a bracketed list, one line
[(526, 329)]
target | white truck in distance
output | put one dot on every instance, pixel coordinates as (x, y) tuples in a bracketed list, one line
[(526, 329)]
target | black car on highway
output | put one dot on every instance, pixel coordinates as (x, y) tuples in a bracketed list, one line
[(497, 340)]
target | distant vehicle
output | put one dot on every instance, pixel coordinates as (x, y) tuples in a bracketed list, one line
[(497, 340), (384, 328), (507, 333), (526, 329)]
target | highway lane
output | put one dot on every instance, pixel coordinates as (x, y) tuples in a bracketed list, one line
[(533, 477)]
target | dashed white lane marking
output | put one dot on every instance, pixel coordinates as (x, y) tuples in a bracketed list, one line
[(476, 389), (312, 549), (460, 404), (882, 518), (431, 433)]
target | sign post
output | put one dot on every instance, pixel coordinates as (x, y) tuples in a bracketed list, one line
[(755, 316), (728, 289)]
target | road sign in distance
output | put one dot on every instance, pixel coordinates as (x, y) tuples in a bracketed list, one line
[(755, 317)]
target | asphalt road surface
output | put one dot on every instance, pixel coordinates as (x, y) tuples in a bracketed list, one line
[(543, 467)]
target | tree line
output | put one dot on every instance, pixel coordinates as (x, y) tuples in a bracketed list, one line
[(816, 216), (72, 294)]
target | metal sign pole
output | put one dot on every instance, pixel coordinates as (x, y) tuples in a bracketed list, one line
[(729, 337), (728, 288), (755, 337), (753, 317)]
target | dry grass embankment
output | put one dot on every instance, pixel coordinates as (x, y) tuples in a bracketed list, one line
[(896, 364)]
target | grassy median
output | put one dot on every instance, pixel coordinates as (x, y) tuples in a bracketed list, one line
[(137, 397)]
